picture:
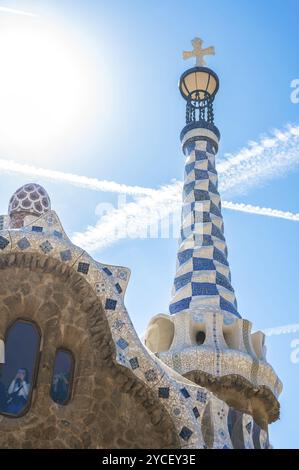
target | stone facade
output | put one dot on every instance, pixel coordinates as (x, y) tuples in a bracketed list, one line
[(109, 407)]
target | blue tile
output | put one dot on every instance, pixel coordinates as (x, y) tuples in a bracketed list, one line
[(46, 247), (110, 304), (163, 392), (24, 243), (118, 324), (134, 363), (201, 396), (219, 256), (118, 288), (3, 242), (180, 305), (185, 392), (122, 343), (66, 255), (201, 174), (185, 433), (36, 228), (213, 188), (200, 155), (188, 188), (215, 210), (196, 412), (211, 168), (203, 264), (122, 358), (57, 234), (216, 232), (83, 268), (189, 167), (185, 255), (107, 271), (228, 306), (151, 375), (190, 147), (221, 280), (201, 195), (204, 288), (181, 281), (211, 147)]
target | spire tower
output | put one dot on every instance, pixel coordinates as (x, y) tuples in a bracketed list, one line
[(204, 338)]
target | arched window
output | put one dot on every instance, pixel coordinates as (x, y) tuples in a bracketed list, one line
[(18, 375), (62, 379)]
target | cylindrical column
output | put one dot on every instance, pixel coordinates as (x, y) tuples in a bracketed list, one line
[(203, 277)]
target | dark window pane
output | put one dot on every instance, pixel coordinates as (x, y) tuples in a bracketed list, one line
[(235, 427), (18, 373), (62, 377)]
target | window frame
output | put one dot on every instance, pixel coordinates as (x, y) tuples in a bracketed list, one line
[(35, 368), (72, 375)]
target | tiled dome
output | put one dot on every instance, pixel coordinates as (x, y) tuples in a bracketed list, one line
[(31, 198)]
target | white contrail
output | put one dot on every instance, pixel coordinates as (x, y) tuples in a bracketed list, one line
[(16, 12), (139, 219), (237, 172), (260, 210), (251, 165), (9, 166), (282, 330), (132, 220), (259, 161)]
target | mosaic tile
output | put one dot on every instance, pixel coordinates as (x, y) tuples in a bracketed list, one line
[(83, 267), (134, 363), (57, 234), (122, 358), (118, 288), (122, 275), (23, 243), (186, 433), (118, 324), (201, 396), (107, 271), (110, 304), (46, 247), (151, 375), (163, 392), (66, 255), (122, 343), (3, 242), (100, 287), (185, 392), (37, 228)]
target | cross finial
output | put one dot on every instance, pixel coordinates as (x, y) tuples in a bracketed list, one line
[(198, 52)]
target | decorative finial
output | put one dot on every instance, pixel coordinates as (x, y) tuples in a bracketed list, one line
[(198, 52)]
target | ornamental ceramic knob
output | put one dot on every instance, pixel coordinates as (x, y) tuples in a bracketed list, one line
[(30, 199)]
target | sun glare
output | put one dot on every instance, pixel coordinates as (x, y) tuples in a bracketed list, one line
[(47, 88)]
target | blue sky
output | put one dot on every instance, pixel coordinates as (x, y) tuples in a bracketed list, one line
[(120, 119)]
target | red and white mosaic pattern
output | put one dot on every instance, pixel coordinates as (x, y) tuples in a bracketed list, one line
[(31, 198)]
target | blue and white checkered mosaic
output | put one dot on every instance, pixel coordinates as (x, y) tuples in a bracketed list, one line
[(203, 276)]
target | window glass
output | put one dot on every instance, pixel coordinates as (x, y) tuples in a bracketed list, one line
[(18, 372), (61, 386)]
